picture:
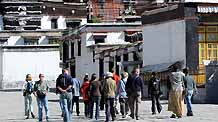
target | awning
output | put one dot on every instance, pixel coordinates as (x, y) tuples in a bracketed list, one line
[(159, 67)]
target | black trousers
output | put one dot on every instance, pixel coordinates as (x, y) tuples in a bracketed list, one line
[(86, 108), (156, 103), (76, 100)]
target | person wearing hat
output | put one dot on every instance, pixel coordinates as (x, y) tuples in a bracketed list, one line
[(110, 89), (121, 94)]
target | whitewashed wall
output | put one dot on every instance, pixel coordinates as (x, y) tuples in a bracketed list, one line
[(16, 64), (164, 43), (61, 23), (84, 63)]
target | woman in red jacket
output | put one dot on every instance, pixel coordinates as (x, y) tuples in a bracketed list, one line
[(84, 91)]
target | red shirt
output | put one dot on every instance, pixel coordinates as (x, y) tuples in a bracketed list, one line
[(84, 90)]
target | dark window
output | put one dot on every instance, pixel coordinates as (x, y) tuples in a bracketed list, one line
[(70, 24), (72, 49), (93, 56), (101, 67), (30, 42), (125, 57), (99, 40), (111, 64), (135, 56), (54, 24), (65, 52), (79, 48)]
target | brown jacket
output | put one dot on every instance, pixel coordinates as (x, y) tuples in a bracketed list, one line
[(110, 88), (95, 88)]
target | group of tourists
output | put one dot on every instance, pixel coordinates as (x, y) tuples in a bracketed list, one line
[(105, 92)]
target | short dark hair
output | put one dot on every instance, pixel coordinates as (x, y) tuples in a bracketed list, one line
[(153, 73), (185, 70), (41, 74)]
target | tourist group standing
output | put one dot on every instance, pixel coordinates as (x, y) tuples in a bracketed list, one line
[(105, 92)]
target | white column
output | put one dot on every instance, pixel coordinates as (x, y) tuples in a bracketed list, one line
[(43, 40), (45, 22), (15, 40), (61, 23), (1, 23)]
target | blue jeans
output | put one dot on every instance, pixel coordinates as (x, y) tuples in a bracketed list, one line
[(66, 101), (95, 100), (110, 109), (188, 101), (42, 102)]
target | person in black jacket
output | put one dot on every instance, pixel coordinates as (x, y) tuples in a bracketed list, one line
[(135, 88), (154, 92)]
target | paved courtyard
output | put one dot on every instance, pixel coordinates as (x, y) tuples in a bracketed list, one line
[(12, 110)]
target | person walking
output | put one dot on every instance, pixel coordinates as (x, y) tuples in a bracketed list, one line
[(176, 87), (190, 88), (28, 93), (102, 102), (84, 92), (154, 92), (95, 88), (121, 94), (64, 87), (136, 86), (110, 89), (41, 89), (76, 94)]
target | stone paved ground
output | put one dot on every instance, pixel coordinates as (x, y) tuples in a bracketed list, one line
[(12, 110)]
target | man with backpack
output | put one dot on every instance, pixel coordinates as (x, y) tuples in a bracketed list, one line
[(64, 88), (41, 91), (154, 92), (28, 93)]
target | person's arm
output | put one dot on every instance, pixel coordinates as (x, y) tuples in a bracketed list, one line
[(149, 87)]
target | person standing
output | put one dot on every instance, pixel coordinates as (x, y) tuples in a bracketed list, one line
[(121, 94), (137, 86), (191, 90), (76, 94), (41, 91), (95, 88), (110, 89), (154, 92), (28, 93), (84, 92), (64, 87), (176, 87)]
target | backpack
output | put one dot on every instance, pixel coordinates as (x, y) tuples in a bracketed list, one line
[(29, 88)]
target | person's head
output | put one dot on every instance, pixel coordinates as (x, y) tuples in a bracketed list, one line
[(112, 70), (124, 75), (153, 74), (93, 77), (136, 71), (86, 77), (41, 77), (185, 70), (174, 68), (109, 75), (28, 77), (65, 71)]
